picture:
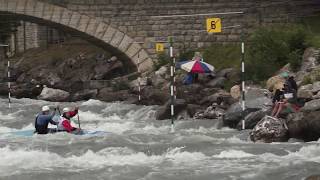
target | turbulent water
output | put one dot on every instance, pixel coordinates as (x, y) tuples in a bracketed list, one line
[(137, 147)]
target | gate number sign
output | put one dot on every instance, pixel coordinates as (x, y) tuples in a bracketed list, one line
[(159, 47), (213, 25)]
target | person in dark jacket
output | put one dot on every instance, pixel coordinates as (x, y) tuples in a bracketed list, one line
[(43, 119), (288, 102), (292, 83)]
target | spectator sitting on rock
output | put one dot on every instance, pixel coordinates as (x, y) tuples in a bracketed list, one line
[(292, 83), (288, 102)]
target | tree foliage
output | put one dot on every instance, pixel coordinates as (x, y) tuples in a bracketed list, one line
[(272, 48)]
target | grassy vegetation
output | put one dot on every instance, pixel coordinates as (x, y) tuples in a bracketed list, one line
[(268, 49), (163, 59), (312, 25), (272, 48), (312, 77), (220, 56)]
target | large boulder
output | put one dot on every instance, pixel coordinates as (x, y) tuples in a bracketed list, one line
[(192, 109), (234, 114), (40, 75), (160, 77), (225, 72), (25, 90), (162, 72), (108, 95), (217, 82), (164, 112), (235, 92), (274, 83), (108, 70), (313, 177), (316, 87), (255, 92), (158, 81), (305, 91), (304, 125), (213, 112), (250, 92), (309, 61), (85, 94), (77, 70), (253, 118), (218, 97), (313, 105), (194, 93), (269, 130), (153, 96), (135, 83), (3, 89), (55, 95), (317, 96)]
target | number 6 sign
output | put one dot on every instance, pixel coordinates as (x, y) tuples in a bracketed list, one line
[(213, 25)]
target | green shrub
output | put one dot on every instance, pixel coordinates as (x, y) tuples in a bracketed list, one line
[(187, 55), (272, 48), (312, 77), (306, 80), (294, 59), (312, 25), (163, 59), (222, 56)]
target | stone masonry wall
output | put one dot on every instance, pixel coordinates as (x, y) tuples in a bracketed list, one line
[(134, 17), (31, 35)]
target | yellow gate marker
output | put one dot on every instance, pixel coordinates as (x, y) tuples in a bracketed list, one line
[(159, 47), (213, 25)]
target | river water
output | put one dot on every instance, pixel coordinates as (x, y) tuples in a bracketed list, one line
[(137, 147)]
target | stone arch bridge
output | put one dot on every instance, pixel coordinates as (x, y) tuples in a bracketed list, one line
[(118, 25)]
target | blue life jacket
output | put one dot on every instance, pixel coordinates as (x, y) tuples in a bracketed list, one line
[(42, 121)]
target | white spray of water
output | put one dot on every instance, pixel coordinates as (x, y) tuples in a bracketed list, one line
[(23, 159), (233, 154)]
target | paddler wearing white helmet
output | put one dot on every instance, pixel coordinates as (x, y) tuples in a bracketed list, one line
[(64, 123), (43, 119)]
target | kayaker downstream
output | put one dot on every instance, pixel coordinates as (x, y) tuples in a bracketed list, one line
[(43, 119), (64, 122)]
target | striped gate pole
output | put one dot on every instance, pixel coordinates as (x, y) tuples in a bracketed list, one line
[(138, 69), (174, 79), (172, 83), (9, 84), (139, 79), (243, 84)]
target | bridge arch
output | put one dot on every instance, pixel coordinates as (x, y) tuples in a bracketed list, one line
[(93, 27)]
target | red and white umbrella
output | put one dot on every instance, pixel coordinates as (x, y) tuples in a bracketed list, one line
[(197, 66)]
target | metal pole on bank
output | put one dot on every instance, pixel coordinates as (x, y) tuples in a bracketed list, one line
[(174, 79), (8, 76), (139, 78), (172, 83), (243, 83), (138, 69)]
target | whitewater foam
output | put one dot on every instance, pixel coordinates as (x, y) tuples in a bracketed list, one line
[(92, 102), (24, 159), (233, 154), (4, 129), (7, 117)]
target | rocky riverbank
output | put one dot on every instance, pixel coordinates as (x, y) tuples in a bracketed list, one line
[(90, 73)]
